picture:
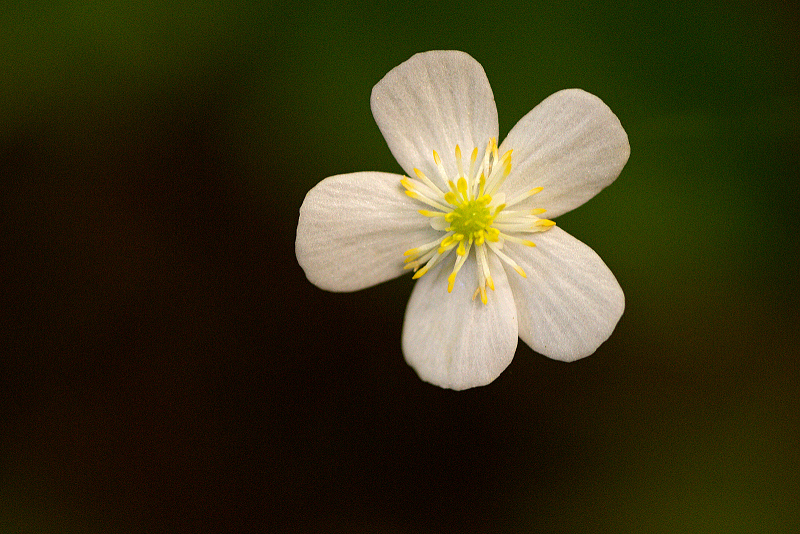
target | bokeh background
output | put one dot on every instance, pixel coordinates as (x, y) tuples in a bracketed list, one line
[(168, 368)]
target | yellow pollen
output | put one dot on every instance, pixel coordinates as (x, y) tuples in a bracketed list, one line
[(420, 273), (469, 217)]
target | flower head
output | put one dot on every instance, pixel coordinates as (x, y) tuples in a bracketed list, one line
[(466, 220)]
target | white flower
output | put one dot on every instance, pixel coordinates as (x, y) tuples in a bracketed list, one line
[(466, 219)]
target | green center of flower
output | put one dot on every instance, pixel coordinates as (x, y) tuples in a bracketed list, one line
[(471, 219)]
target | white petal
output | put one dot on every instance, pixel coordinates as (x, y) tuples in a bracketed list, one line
[(456, 342), (572, 145), (354, 228), (570, 302), (435, 101)]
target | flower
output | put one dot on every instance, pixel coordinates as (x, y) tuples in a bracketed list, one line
[(467, 225)]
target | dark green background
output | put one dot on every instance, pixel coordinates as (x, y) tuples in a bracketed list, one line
[(168, 367)]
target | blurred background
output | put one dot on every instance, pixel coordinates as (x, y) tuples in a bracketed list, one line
[(168, 368)]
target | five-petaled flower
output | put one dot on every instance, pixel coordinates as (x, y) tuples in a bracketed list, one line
[(466, 219)]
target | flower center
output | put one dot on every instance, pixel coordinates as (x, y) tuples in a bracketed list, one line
[(472, 214), (471, 218)]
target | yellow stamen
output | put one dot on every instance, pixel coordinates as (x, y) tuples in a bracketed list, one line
[(524, 195), (482, 291), (420, 273), (451, 280), (422, 198), (471, 210), (462, 188), (427, 181), (440, 166), (428, 213), (472, 159)]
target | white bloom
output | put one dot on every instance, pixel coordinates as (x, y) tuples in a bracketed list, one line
[(466, 219)]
